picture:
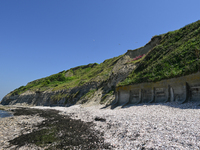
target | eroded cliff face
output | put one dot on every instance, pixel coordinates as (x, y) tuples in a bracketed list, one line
[(29, 97), (93, 92)]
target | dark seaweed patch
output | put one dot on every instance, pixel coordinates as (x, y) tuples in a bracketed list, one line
[(60, 132)]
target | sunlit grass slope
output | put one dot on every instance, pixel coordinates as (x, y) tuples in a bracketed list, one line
[(71, 78), (177, 55)]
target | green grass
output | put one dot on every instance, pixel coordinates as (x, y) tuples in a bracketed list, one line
[(58, 97), (78, 76), (89, 94), (177, 55)]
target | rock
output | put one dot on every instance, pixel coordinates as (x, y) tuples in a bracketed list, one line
[(100, 119), (12, 127)]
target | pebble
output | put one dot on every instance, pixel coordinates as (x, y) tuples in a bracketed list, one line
[(150, 126), (12, 127)]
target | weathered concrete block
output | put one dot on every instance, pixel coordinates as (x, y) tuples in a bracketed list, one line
[(182, 89), (123, 97), (135, 96)]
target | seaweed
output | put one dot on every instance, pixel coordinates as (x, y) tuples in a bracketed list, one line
[(60, 132)]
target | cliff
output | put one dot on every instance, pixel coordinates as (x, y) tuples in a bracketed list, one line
[(168, 73), (93, 83), (166, 56)]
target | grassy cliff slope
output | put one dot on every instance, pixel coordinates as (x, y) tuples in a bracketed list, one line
[(176, 55), (71, 78), (169, 55)]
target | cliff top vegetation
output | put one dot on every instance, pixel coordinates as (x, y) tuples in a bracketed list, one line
[(73, 77), (178, 54)]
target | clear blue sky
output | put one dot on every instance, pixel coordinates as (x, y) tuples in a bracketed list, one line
[(43, 37)]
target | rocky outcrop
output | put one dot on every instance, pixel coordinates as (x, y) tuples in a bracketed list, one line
[(144, 50)]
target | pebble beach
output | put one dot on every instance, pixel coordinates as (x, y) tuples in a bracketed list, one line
[(152, 126), (157, 126), (14, 126)]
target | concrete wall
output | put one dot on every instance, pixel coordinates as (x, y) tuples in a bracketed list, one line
[(181, 89), (123, 96)]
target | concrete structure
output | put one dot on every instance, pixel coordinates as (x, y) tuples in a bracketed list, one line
[(181, 89)]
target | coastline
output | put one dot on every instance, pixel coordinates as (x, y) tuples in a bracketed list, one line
[(4, 114), (14, 126), (46, 129), (146, 126)]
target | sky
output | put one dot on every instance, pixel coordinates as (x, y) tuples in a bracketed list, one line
[(39, 38)]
